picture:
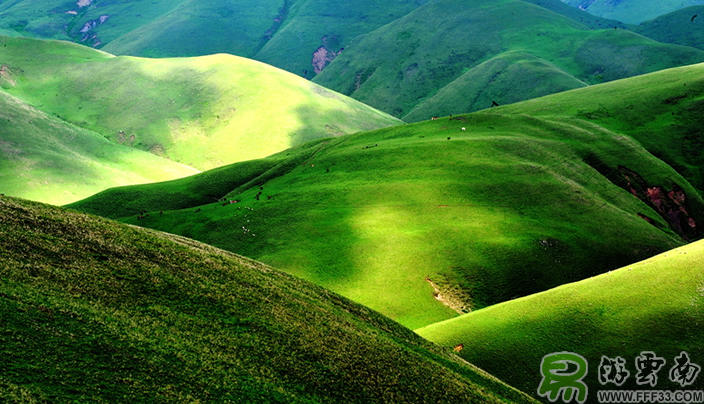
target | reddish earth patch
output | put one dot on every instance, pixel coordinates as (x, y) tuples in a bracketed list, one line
[(670, 204)]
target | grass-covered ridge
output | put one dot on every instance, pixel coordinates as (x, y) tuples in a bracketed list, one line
[(397, 67), (661, 110), (98, 311), (295, 35), (631, 11), (46, 159), (682, 27), (507, 207), (203, 112), (655, 305)]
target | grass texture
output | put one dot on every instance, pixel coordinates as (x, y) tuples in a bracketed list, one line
[(97, 311)]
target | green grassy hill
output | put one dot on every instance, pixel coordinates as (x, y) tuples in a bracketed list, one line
[(509, 77), (679, 27), (655, 305), (426, 220), (661, 110), (46, 159), (203, 112), (97, 311), (631, 11), (284, 34), (404, 63)]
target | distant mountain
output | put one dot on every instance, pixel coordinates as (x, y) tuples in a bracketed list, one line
[(300, 36), (405, 63), (656, 305), (428, 220), (96, 311), (631, 11), (681, 27), (203, 112)]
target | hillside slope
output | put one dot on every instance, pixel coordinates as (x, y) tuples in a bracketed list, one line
[(427, 220), (203, 112), (400, 65), (681, 27), (98, 311), (300, 36), (631, 11), (45, 159), (661, 110), (655, 305)]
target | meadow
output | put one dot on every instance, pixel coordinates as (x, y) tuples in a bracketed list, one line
[(435, 57), (98, 311), (654, 305)]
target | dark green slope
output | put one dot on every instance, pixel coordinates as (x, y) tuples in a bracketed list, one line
[(578, 14), (96, 311), (298, 36), (507, 78), (405, 62), (661, 110), (423, 221), (656, 305), (314, 32), (631, 11), (679, 27)]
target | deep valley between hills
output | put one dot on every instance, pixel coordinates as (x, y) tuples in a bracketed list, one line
[(372, 202)]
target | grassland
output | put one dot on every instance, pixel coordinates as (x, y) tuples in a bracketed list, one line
[(46, 159), (283, 34), (202, 112), (655, 305), (408, 61), (632, 11), (679, 27), (662, 111), (423, 220), (97, 311)]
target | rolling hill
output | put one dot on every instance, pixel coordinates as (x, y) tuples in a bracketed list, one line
[(299, 36), (97, 311), (681, 27), (654, 305), (203, 112), (660, 110), (46, 159), (399, 66), (423, 221), (631, 11)]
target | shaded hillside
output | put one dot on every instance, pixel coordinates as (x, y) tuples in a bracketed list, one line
[(681, 27), (656, 305), (44, 158), (427, 220), (398, 66), (509, 77), (661, 110), (577, 14), (300, 36), (203, 112), (631, 11), (98, 311)]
